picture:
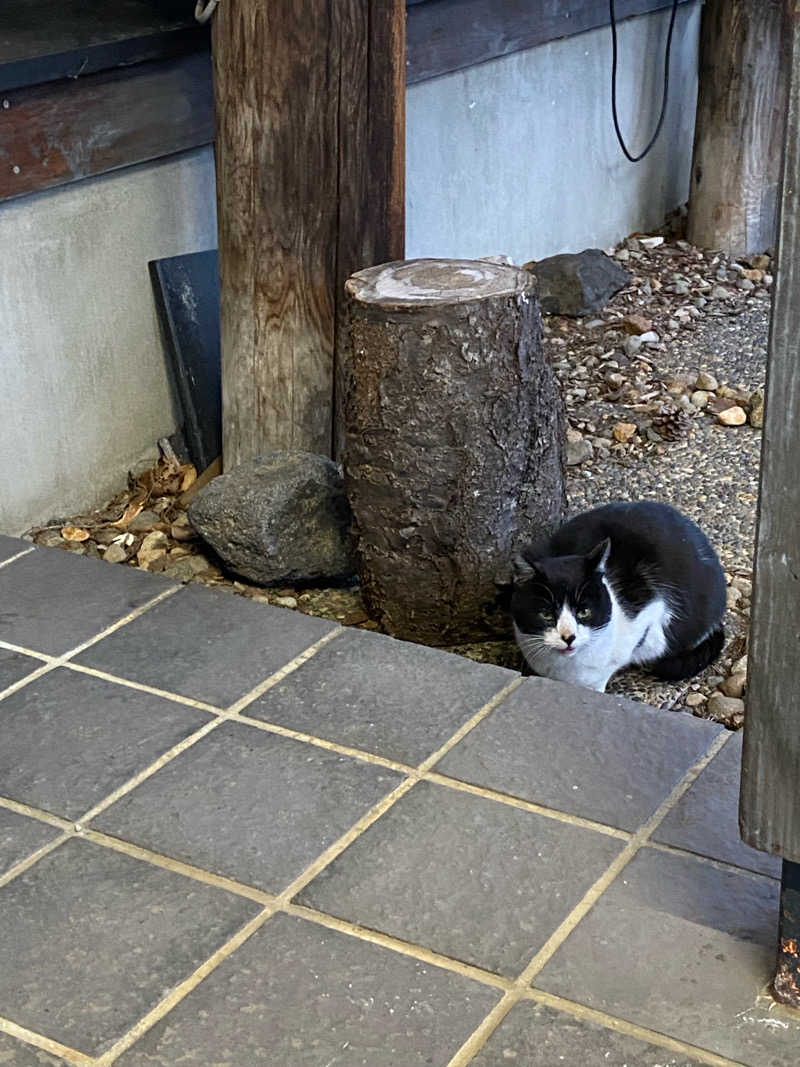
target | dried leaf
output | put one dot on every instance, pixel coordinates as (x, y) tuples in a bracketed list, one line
[(189, 476), (130, 513), (74, 533)]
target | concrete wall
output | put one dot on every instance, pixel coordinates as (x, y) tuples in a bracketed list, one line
[(85, 392), (519, 155)]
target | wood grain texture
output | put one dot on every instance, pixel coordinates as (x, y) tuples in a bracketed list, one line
[(445, 35), (770, 795), (309, 184), (62, 131), (740, 114)]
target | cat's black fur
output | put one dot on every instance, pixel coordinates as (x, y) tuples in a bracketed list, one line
[(654, 551)]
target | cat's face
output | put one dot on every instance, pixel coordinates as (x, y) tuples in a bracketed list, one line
[(559, 604)]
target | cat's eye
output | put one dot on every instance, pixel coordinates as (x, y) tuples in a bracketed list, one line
[(584, 613), (545, 616)]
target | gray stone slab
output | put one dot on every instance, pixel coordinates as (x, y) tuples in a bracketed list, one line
[(13, 666), (471, 878), (9, 547), (15, 1053), (399, 700), (19, 838), (706, 819), (683, 947), (534, 1035), (248, 804), (51, 600), (206, 644), (93, 939), (67, 739), (298, 995), (586, 753)]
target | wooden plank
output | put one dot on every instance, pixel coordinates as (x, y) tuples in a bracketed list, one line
[(44, 40), (448, 35), (62, 131), (309, 185), (770, 802)]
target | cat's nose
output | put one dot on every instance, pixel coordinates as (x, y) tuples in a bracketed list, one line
[(568, 639)]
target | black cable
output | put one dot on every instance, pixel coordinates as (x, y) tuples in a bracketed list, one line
[(654, 138)]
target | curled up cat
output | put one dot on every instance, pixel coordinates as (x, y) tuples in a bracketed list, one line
[(626, 583)]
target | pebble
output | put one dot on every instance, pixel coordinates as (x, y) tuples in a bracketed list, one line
[(144, 522), (614, 379), (285, 601), (734, 686), (624, 431), (650, 338), (681, 288), (734, 596), (767, 281), (622, 254), (760, 262), (578, 448), (723, 708), (651, 242), (152, 548), (115, 553), (633, 344), (637, 324), (694, 700), (746, 285), (700, 398), (744, 585), (719, 292), (706, 381), (757, 409), (740, 666), (733, 416)]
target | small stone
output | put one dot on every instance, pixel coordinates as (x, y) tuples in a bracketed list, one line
[(744, 585), (733, 416), (651, 242), (694, 700), (152, 548), (754, 275), (767, 281), (624, 431), (285, 601), (50, 539), (756, 415), (681, 287), (650, 338), (746, 285), (578, 284), (723, 708), (183, 570), (719, 292), (578, 448), (622, 254), (740, 666), (636, 324), (614, 379), (699, 398), (115, 553), (706, 381), (760, 262), (734, 596), (144, 522), (734, 686), (632, 345)]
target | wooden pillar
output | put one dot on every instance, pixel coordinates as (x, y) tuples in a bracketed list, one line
[(740, 117), (770, 798), (310, 187)]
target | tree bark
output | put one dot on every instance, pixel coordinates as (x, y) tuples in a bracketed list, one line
[(739, 131), (454, 441), (309, 152)]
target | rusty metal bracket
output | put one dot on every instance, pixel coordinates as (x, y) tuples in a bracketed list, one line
[(787, 976)]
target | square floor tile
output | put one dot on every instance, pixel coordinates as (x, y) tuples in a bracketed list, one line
[(476, 880), (93, 939), (9, 547), (13, 666), (685, 948), (67, 739), (206, 644), (706, 818), (586, 753), (533, 1035), (248, 804), (298, 995), (15, 1053), (51, 600), (19, 837), (399, 700)]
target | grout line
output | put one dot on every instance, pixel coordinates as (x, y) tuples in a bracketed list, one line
[(188, 870), (11, 647), (721, 865), (30, 1037), (26, 680), (35, 813), (19, 555), (623, 1026), (486, 1028), (527, 805), (176, 698), (177, 994), (34, 857), (405, 948), (470, 725)]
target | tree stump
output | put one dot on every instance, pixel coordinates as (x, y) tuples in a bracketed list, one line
[(454, 440)]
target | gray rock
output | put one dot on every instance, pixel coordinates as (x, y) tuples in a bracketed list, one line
[(578, 448), (281, 517), (723, 708), (578, 283)]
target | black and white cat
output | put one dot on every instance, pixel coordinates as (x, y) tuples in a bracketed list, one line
[(627, 583)]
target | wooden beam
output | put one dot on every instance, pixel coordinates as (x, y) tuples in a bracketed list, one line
[(770, 801), (447, 35), (62, 131), (310, 188)]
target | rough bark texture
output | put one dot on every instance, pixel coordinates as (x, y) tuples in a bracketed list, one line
[(309, 151), (740, 122), (454, 441)]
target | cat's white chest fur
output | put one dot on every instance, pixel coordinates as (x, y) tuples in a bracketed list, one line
[(600, 653)]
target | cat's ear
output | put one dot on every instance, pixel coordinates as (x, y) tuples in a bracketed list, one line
[(596, 559), (523, 567)]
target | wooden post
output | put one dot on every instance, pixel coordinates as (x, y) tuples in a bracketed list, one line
[(770, 795), (454, 447), (740, 117), (310, 171)]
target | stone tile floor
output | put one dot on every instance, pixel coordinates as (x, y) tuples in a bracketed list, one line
[(232, 834)]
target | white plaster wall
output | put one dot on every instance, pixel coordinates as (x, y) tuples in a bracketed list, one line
[(85, 394), (519, 156)]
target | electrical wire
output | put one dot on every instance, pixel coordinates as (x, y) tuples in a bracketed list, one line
[(654, 138)]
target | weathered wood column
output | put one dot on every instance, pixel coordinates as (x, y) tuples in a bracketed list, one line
[(310, 187), (740, 119), (770, 795), (454, 440)]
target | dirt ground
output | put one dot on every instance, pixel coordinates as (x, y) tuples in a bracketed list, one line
[(663, 390)]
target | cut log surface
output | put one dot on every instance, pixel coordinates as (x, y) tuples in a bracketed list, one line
[(454, 440)]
